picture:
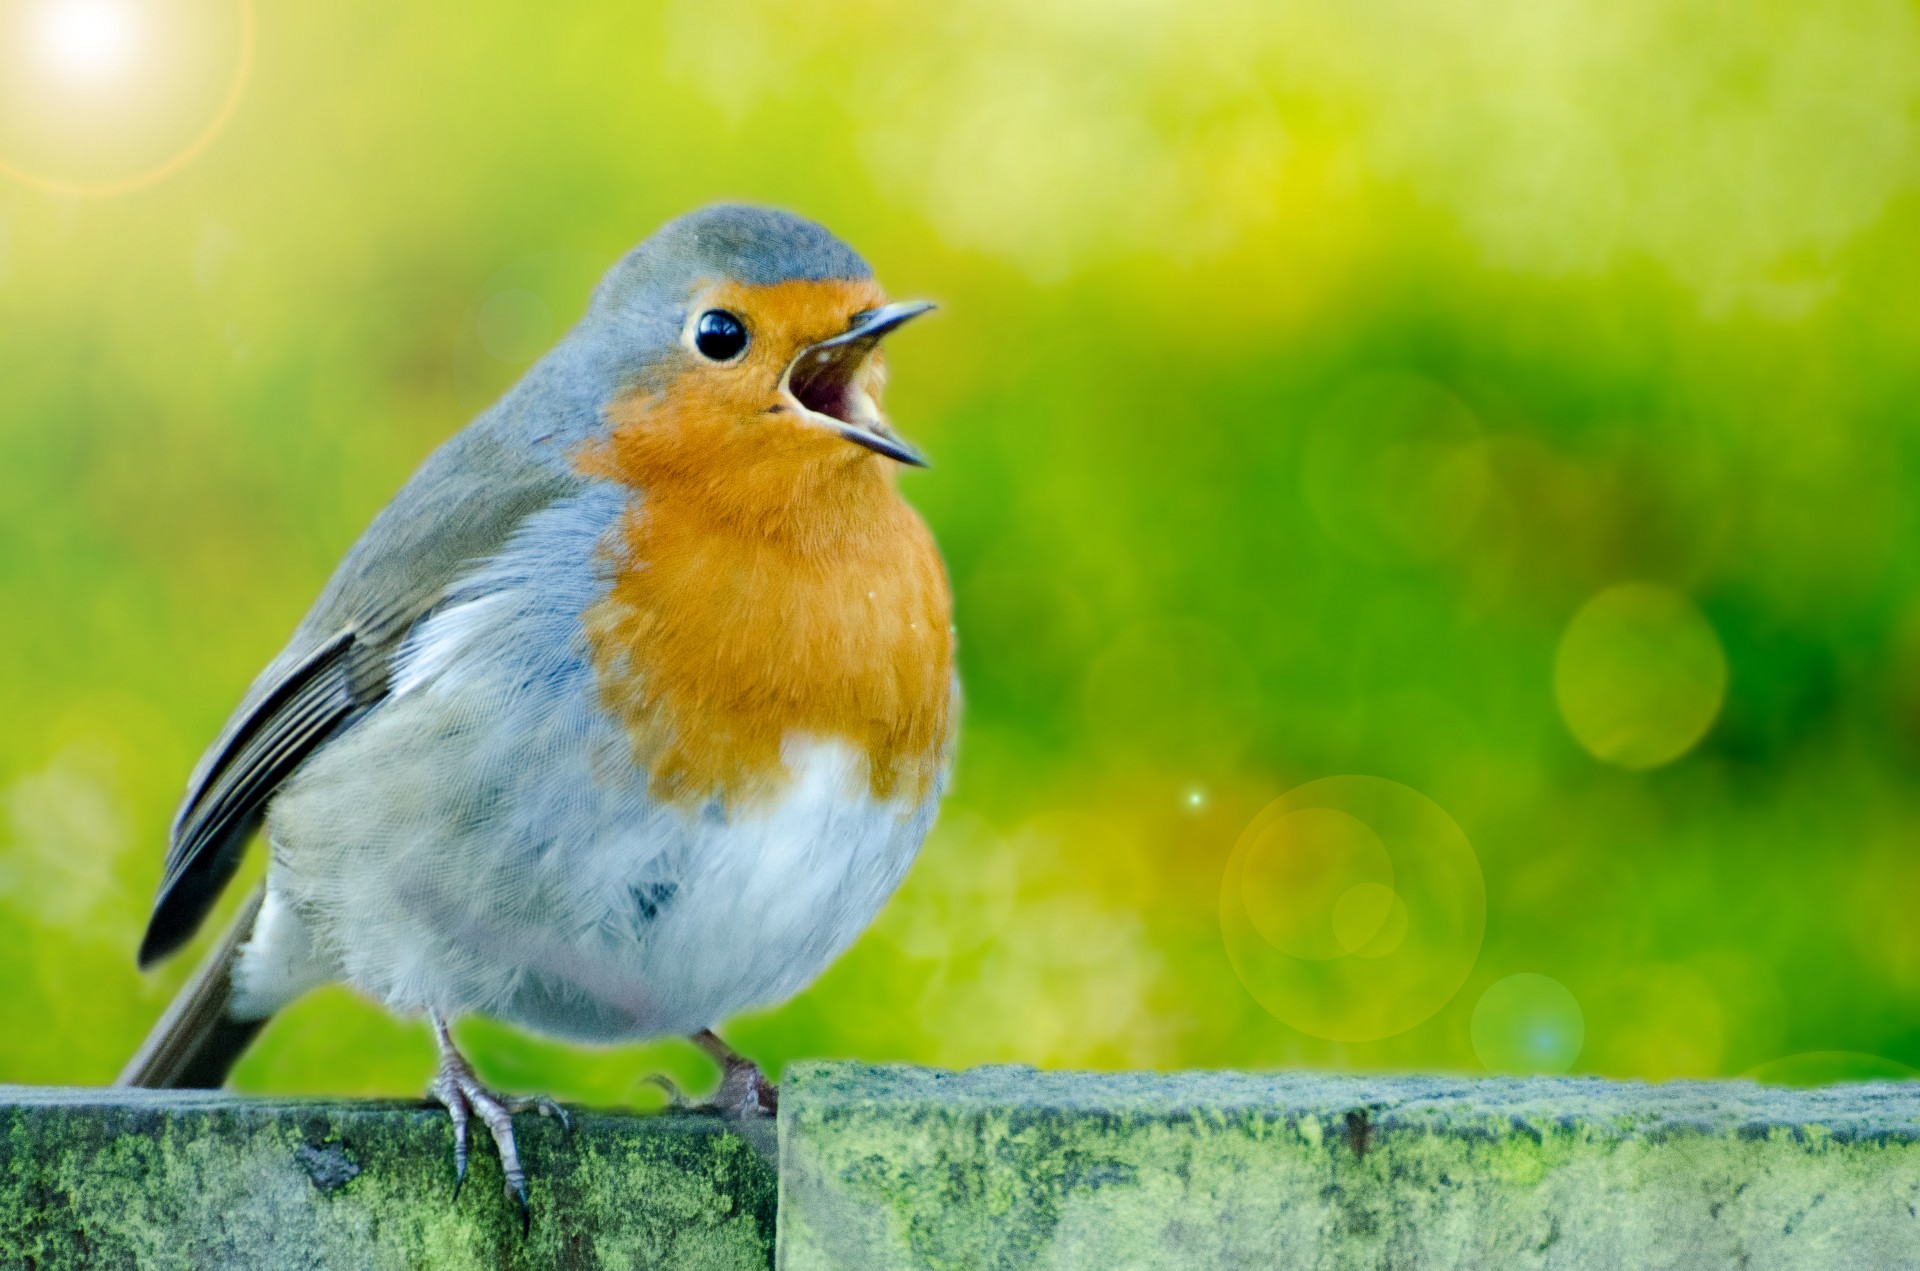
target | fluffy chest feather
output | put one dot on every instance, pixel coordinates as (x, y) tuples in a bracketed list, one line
[(780, 599)]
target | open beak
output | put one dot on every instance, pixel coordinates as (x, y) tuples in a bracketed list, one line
[(825, 378)]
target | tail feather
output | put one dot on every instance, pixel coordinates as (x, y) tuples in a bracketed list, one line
[(196, 1043)]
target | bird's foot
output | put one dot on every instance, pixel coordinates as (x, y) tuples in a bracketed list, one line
[(457, 1089), (744, 1089)]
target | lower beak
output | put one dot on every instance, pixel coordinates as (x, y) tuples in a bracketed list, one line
[(825, 379)]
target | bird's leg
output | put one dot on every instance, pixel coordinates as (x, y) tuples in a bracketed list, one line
[(743, 1087), (457, 1089)]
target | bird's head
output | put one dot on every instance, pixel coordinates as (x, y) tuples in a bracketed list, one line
[(746, 349)]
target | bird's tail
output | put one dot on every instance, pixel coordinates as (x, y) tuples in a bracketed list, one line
[(196, 1042)]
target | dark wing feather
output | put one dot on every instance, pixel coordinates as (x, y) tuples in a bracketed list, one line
[(213, 827), (458, 509)]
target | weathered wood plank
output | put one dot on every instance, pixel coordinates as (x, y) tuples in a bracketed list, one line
[(1002, 1168), (190, 1179)]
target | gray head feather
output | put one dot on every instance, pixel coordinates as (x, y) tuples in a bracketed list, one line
[(632, 326), (758, 246)]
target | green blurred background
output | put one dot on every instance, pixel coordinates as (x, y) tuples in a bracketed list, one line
[(1513, 401)]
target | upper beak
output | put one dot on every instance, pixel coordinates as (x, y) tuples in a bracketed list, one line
[(824, 379)]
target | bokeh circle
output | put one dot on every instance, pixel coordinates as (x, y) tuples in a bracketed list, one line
[(1639, 675), (1527, 1024), (1352, 908)]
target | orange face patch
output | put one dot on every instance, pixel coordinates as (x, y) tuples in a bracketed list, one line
[(774, 583)]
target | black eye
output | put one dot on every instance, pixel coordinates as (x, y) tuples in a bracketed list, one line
[(719, 335)]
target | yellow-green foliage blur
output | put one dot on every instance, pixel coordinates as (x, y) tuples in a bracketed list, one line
[(1490, 429)]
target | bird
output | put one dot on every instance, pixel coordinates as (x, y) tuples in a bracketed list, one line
[(628, 713)]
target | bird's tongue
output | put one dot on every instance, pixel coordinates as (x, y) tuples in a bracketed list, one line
[(823, 376)]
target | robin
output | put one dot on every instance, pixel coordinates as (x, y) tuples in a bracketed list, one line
[(627, 714)]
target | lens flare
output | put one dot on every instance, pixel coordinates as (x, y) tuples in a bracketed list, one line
[(104, 97), (1299, 868), (88, 41), (1353, 908)]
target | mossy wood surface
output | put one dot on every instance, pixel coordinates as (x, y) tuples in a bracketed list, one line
[(897, 1168), (1003, 1168), (105, 1179)]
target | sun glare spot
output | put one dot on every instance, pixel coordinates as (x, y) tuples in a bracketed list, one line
[(87, 41)]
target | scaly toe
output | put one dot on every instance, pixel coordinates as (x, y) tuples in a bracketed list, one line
[(449, 1095), (497, 1115)]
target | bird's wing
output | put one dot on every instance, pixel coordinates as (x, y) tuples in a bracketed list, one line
[(459, 508)]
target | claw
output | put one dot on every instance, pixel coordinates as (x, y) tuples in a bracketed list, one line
[(457, 1088), (676, 1099), (459, 1159), (548, 1108)]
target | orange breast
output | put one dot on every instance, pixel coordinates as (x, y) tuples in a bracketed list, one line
[(764, 595)]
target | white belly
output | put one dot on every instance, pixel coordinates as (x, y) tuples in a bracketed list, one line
[(761, 904), (664, 924)]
